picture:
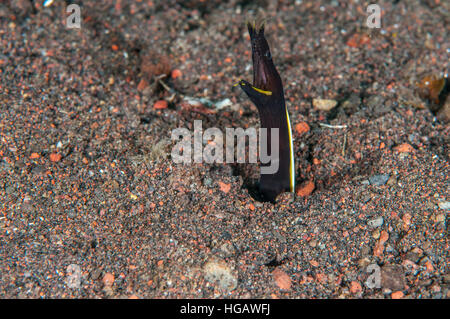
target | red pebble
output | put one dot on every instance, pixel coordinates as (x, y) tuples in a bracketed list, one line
[(161, 104)]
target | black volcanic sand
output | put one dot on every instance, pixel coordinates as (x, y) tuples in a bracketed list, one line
[(92, 206)]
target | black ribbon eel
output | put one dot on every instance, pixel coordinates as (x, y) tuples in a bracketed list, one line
[(268, 96)]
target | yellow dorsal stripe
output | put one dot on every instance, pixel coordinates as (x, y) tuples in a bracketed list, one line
[(254, 88), (262, 91), (291, 162)]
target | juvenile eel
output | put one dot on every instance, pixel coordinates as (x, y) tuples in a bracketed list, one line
[(268, 96)]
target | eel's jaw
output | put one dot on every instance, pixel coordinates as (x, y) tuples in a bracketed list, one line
[(261, 77), (265, 75), (255, 28)]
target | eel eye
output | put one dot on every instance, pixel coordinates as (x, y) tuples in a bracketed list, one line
[(268, 55)]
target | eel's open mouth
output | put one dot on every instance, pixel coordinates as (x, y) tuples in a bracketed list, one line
[(265, 76)]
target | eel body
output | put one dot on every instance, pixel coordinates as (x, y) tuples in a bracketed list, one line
[(268, 96)]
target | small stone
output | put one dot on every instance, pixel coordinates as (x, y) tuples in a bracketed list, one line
[(176, 73), (397, 295), (404, 148), (193, 102), (417, 251), (227, 249), (321, 278), (224, 103), (444, 205), (412, 256), (224, 187), (364, 262), (95, 274), (282, 279), (306, 189), (379, 180), (73, 276), (358, 40), (55, 157), (379, 246), (324, 104), (384, 236), (161, 104), (143, 84), (429, 266), (108, 279), (218, 271), (376, 234), (355, 287), (302, 128), (406, 218), (393, 277), (376, 222)]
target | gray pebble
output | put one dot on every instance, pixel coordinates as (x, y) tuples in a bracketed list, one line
[(376, 222), (444, 205), (379, 180)]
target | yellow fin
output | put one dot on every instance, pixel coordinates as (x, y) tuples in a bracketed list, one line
[(262, 91), (291, 159)]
